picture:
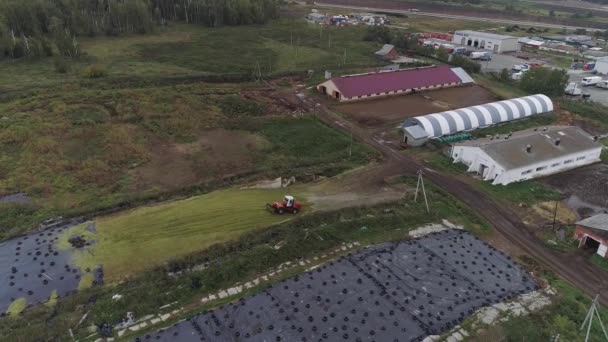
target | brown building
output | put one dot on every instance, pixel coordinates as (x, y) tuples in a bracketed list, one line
[(592, 233), (387, 53)]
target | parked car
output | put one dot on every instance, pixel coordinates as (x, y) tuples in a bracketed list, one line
[(520, 67), (591, 80), (603, 84)]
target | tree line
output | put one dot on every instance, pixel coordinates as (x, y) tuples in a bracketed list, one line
[(35, 27)]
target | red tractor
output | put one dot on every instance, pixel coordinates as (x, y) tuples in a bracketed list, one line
[(289, 205)]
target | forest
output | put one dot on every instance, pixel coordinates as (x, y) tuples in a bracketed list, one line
[(35, 27)]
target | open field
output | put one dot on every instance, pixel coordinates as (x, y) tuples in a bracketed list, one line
[(190, 50), (397, 108), (87, 150), (137, 240), (121, 246)]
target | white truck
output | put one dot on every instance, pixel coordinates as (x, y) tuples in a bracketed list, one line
[(591, 80), (481, 55)]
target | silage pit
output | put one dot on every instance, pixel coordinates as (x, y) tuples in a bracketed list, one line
[(401, 291), (32, 267)]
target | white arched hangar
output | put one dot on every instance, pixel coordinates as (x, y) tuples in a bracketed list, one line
[(421, 128)]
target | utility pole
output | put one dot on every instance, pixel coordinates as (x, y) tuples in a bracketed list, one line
[(421, 185), (350, 147), (591, 314), (555, 215)]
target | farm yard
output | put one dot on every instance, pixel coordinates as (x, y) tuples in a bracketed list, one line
[(397, 108), (156, 153)]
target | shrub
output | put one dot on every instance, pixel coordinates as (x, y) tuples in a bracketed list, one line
[(550, 82), (94, 71), (467, 64), (61, 64)]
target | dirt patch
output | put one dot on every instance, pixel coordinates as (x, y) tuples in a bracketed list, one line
[(216, 153), (397, 108), (589, 183), (361, 187), (567, 118)]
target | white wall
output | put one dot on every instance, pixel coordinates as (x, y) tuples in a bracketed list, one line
[(475, 156), (550, 167), (330, 86), (601, 67), (503, 45)]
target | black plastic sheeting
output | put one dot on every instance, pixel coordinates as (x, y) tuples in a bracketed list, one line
[(32, 267), (401, 291)]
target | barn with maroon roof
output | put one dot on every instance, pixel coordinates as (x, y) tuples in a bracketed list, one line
[(387, 83)]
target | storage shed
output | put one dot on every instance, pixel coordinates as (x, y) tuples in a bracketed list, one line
[(387, 83), (592, 233), (498, 43), (387, 53), (470, 118)]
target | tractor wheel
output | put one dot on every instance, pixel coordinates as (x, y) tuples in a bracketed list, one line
[(280, 211), (295, 211)]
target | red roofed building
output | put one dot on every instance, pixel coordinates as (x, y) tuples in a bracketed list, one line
[(386, 83)]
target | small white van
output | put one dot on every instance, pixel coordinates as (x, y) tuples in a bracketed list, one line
[(592, 80)]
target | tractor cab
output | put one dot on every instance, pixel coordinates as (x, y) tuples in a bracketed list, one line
[(288, 201), (289, 205)]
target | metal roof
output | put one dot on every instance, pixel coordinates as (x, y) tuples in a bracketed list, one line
[(462, 74), (386, 49), (387, 81), (466, 119), (483, 34), (510, 151), (416, 132), (599, 221)]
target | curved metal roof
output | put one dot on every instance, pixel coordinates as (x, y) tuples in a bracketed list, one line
[(470, 118)]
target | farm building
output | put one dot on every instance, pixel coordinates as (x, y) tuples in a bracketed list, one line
[(530, 43), (489, 41), (386, 83), (592, 233), (419, 129), (528, 154), (601, 66), (387, 53)]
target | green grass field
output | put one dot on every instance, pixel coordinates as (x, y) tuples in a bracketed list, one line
[(187, 50), (137, 240)]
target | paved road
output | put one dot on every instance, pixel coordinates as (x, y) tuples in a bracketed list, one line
[(597, 94), (462, 17), (576, 270)]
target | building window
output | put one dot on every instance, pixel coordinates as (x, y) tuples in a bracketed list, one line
[(568, 161), (581, 158), (541, 168), (527, 172)]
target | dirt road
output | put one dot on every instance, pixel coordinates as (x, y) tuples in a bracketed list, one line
[(577, 271)]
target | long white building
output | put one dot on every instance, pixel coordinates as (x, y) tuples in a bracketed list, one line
[(528, 154)]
